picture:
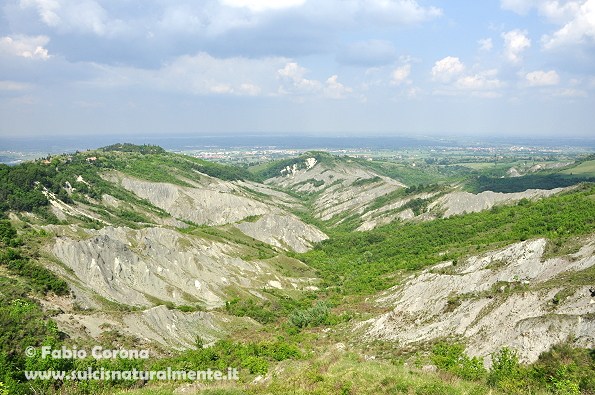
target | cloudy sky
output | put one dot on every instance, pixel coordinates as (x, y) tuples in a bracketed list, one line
[(489, 67)]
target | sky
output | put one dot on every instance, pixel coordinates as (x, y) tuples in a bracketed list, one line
[(315, 67)]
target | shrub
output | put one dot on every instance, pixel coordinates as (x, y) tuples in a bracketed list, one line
[(313, 316), (565, 368), (258, 311), (256, 365), (452, 358), (42, 279), (7, 232), (506, 370), (255, 357), (132, 216), (24, 324), (564, 386)]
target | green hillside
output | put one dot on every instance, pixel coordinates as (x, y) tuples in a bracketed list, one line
[(301, 341)]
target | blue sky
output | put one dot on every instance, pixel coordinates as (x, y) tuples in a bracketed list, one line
[(362, 67)]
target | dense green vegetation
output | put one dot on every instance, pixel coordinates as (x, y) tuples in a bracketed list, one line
[(519, 184), (301, 313), (366, 181), (255, 357), (317, 315), (562, 370), (498, 181), (12, 258), (352, 266), (22, 186), (141, 149), (418, 174), (168, 167), (452, 358), (365, 262), (267, 311), (23, 324)]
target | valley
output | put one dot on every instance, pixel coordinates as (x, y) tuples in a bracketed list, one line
[(316, 272)]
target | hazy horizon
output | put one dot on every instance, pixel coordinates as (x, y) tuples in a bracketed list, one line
[(64, 144)]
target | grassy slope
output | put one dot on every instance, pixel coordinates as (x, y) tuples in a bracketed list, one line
[(364, 262), (324, 369), (354, 265), (586, 168)]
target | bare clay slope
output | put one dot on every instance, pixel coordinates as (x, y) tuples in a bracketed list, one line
[(213, 240), (216, 202), (338, 185), (139, 267), (513, 297), (450, 201)]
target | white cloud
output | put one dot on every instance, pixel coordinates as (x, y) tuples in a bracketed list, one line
[(481, 81), (31, 47), (221, 89), (84, 16), (542, 78), (263, 5), (249, 89), (554, 10), (201, 74), (413, 92), (559, 12), (576, 19), (47, 9), (400, 74), (450, 72), (485, 44), (335, 90), (293, 80), (149, 32), (445, 70), (515, 43), (392, 11), (579, 29)]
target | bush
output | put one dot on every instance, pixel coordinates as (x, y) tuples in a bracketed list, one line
[(258, 311), (565, 368), (255, 357), (506, 370), (132, 216), (24, 324), (563, 385), (452, 358), (255, 365), (42, 279), (313, 316), (7, 232)]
